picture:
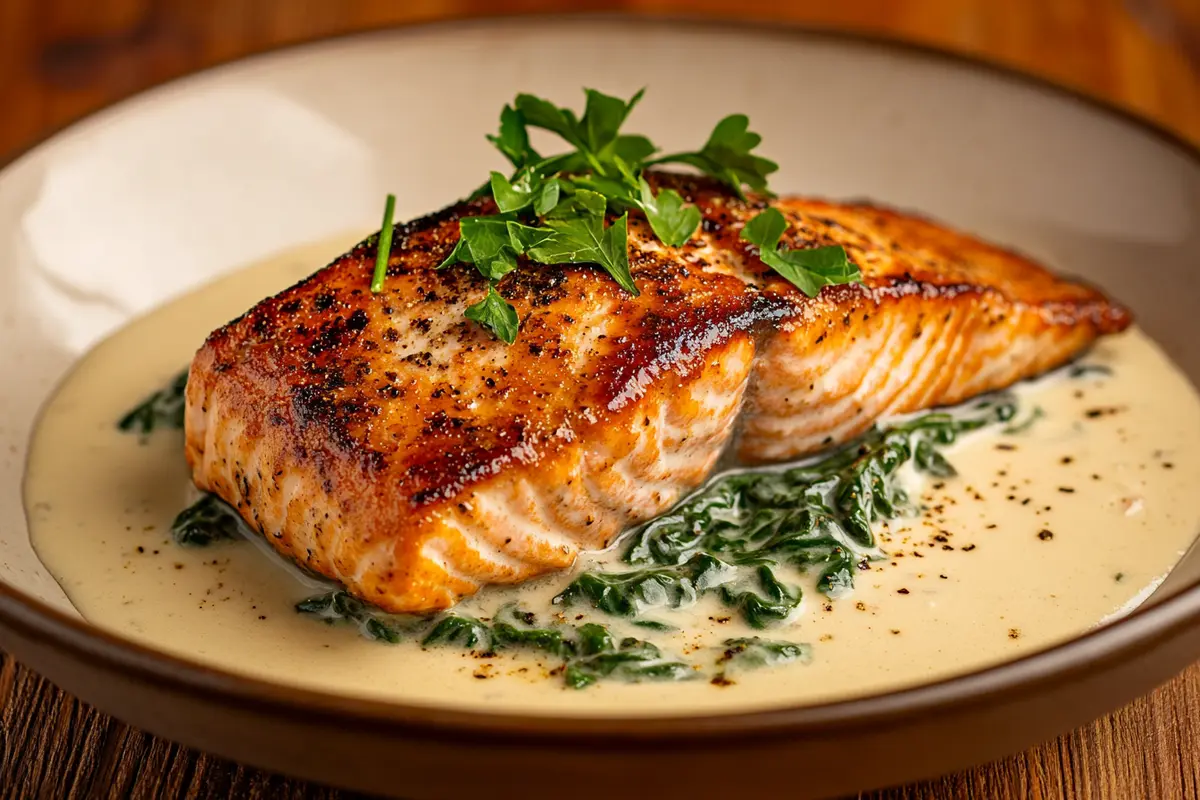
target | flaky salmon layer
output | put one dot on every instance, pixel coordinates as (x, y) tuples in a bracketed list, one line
[(389, 444)]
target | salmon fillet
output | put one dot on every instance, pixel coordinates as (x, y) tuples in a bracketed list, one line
[(393, 446)]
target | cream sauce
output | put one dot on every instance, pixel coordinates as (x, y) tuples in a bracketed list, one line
[(1042, 536)]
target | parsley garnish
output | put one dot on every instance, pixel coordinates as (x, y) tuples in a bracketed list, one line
[(495, 314), (726, 156), (555, 209), (672, 221), (574, 233), (808, 270)]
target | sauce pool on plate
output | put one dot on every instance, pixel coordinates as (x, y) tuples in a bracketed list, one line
[(1056, 520)]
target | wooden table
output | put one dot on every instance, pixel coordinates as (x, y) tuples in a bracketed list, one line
[(60, 59)]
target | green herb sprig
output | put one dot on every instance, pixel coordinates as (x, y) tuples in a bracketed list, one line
[(573, 207), (383, 252), (807, 269)]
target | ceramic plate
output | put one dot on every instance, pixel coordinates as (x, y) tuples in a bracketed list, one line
[(168, 190)]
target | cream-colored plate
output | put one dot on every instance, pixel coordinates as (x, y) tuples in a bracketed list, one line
[(176, 186)]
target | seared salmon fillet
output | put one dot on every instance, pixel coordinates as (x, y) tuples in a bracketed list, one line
[(389, 444)]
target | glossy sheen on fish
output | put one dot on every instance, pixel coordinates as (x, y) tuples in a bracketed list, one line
[(388, 443)]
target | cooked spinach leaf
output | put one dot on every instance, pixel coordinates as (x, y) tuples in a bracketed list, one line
[(372, 622), (162, 409), (514, 628), (1025, 424), (753, 652), (462, 630), (588, 652), (1081, 370), (598, 656), (732, 535), (627, 594), (732, 540), (764, 601), (209, 519)]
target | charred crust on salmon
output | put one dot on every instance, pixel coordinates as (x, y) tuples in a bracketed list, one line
[(412, 427)]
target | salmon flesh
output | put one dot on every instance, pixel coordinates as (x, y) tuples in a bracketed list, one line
[(386, 442)]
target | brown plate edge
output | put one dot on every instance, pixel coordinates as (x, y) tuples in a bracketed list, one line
[(1119, 642)]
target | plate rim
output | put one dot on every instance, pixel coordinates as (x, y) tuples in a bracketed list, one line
[(1060, 663)]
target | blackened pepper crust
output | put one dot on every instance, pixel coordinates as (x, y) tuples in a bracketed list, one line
[(397, 403)]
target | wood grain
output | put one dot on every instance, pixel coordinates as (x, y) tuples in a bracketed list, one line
[(60, 59)]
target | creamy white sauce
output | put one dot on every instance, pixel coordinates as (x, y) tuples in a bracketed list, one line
[(1106, 478)]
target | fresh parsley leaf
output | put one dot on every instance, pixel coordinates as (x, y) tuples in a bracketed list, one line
[(592, 134), (527, 189), (547, 197), (765, 229), (484, 242), (727, 156), (809, 269), (504, 263), (496, 314), (584, 203), (602, 118), (579, 237), (633, 148), (553, 209), (730, 145), (514, 195), (513, 138), (488, 245), (543, 114), (616, 190), (524, 237), (566, 163), (672, 221), (457, 255)]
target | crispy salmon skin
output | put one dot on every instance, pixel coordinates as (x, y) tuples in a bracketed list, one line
[(388, 443)]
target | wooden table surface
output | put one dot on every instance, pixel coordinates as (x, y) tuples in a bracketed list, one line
[(61, 59)]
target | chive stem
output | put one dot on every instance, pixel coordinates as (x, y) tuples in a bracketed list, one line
[(385, 246)]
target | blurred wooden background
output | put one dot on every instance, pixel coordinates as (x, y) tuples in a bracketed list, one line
[(60, 59)]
